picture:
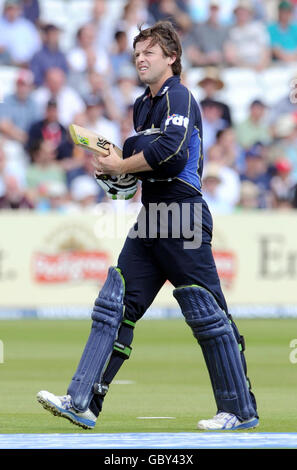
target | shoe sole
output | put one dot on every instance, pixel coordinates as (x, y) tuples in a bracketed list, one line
[(56, 411), (251, 424)]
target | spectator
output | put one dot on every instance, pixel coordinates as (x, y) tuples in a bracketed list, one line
[(229, 188), (257, 171), (134, 14), (283, 34), (211, 85), (54, 198), (282, 183), (204, 44), (126, 125), (249, 196), (226, 140), (43, 169), (85, 192), (212, 116), (84, 56), (175, 11), (84, 168), (49, 55), (126, 89), (8, 167), (31, 10), (287, 104), (99, 86), (104, 25), (120, 55), (248, 41), (19, 38), (50, 129), (255, 127), (19, 111), (210, 187), (97, 122), (14, 196), (285, 143), (69, 102)]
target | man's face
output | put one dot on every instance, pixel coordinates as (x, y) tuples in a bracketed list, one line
[(12, 13), (285, 15), (151, 64)]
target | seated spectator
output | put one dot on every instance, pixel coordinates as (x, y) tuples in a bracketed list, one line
[(9, 167), (287, 104), (283, 34), (84, 192), (249, 196), (229, 188), (226, 140), (85, 56), (257, 171), (120, 54), (104, 25), (69, 102), (84, 167), (211, 85), (19, 111), (255, 127), (282, 183), (55, 197), (285, 143), (210, 187), (212, 118), (97, 121), (50, 129), (133, 14), (126, 89), (176, 11), (248, 41), (99, 86), (19, 37), (204, 44), (43, 169), (31, 11), (49, 55), (14, 196)]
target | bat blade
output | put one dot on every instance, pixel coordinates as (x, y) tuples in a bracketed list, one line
[(91, 141)]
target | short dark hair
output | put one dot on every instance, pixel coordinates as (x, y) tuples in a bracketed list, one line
[(164, 34)]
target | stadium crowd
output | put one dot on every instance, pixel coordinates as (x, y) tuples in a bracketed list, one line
[(251, 164)]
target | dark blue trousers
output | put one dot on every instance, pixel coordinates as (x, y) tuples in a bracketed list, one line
[(146, 264)]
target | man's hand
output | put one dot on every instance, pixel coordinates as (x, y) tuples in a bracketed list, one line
[(114, 165), (110, 164)]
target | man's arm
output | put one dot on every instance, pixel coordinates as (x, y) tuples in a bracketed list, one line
[(113, 165)]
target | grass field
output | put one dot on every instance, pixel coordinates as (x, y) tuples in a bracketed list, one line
[(166, 367)]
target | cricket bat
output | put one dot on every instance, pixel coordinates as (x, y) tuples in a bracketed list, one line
[(91, 141)]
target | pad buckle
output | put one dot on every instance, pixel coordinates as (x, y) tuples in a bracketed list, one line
[(100, 389)]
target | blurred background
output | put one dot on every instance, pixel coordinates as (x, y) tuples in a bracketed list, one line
[(70, 61)]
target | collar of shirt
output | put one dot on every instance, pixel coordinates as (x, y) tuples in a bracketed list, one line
[(164, 88)]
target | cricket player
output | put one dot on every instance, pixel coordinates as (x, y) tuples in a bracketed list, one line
[(166, 155)]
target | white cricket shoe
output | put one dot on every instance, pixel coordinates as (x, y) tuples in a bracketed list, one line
[(62, 406), (226, 422)]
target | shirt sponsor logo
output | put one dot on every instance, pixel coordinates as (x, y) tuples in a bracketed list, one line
[(177, 120)]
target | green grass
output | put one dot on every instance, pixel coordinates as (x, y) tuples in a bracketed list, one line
[(166, 365)]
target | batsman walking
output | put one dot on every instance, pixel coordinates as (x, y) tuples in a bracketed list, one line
[(166, 155)]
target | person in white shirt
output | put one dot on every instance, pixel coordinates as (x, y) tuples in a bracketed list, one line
[(19, 37), (248, 41), (97, 121), (69, 102)]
